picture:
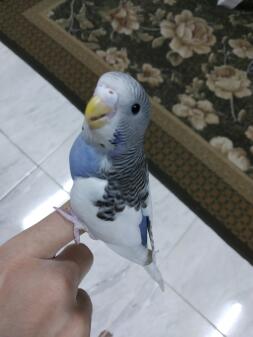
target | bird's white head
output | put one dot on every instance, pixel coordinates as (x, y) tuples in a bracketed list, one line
[(119, 105)]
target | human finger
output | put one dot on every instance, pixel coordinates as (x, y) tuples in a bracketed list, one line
[(79, 324), (44, 239), (84, 310), (79, 257)]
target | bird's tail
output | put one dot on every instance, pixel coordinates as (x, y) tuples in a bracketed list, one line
[(152, 268), (155, 274), (141, 256)]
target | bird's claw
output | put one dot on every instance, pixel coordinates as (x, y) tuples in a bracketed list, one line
[(76, 234), (72, 218)]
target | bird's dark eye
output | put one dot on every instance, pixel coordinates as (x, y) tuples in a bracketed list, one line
[(135, 108)]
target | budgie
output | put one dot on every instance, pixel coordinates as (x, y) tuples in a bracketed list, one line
[(110, 197)]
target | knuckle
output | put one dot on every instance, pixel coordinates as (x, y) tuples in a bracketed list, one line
[(72, 268), (61, 282), (71, 272)]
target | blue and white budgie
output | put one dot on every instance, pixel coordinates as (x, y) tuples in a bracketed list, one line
[(110, 197)]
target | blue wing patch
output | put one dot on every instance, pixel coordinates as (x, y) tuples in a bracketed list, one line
[(84, 160), (144, 230)]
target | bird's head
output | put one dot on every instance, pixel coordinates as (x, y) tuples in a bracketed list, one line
[(119, 108)]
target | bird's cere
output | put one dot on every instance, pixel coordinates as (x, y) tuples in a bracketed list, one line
[(107, 94)]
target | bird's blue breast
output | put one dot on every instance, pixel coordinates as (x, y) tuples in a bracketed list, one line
[(84, 160)]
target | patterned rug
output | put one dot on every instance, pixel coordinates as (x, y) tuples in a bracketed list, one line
[(195, 61)]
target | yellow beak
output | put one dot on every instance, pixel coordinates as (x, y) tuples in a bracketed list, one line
[(95, 112)]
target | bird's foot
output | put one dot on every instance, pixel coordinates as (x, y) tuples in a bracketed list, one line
[(77, 233), (105, 333), (71, 217)]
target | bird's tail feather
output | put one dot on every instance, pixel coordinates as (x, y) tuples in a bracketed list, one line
[(143, 257), (155, 274)]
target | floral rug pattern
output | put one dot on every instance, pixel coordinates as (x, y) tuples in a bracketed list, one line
[(196, 61)]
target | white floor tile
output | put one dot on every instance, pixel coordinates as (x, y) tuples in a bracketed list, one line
[(214, 278), (134, 306), (33, 114), (171, 219), (57, 164), (14, 166), (127, 302), (32, 200)]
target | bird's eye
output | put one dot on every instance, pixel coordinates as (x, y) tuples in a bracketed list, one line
[(135, 108)]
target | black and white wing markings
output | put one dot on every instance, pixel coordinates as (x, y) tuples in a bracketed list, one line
[(148, 213), (127, 186)]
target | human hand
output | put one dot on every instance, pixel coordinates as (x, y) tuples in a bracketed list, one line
[(39, 293)]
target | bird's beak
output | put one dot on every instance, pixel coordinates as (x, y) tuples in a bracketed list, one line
[(96, 112)]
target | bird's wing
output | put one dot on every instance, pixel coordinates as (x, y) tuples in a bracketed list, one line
[(123, 230), (148, 214)]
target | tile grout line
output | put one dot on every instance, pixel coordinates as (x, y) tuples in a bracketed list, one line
[(48, 174), (194, 308), (26, 176), (37, 166), (176, 292), (20, 149), (28, 156), (53, 179), (181, 237), (65, 140), (19, 182)]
